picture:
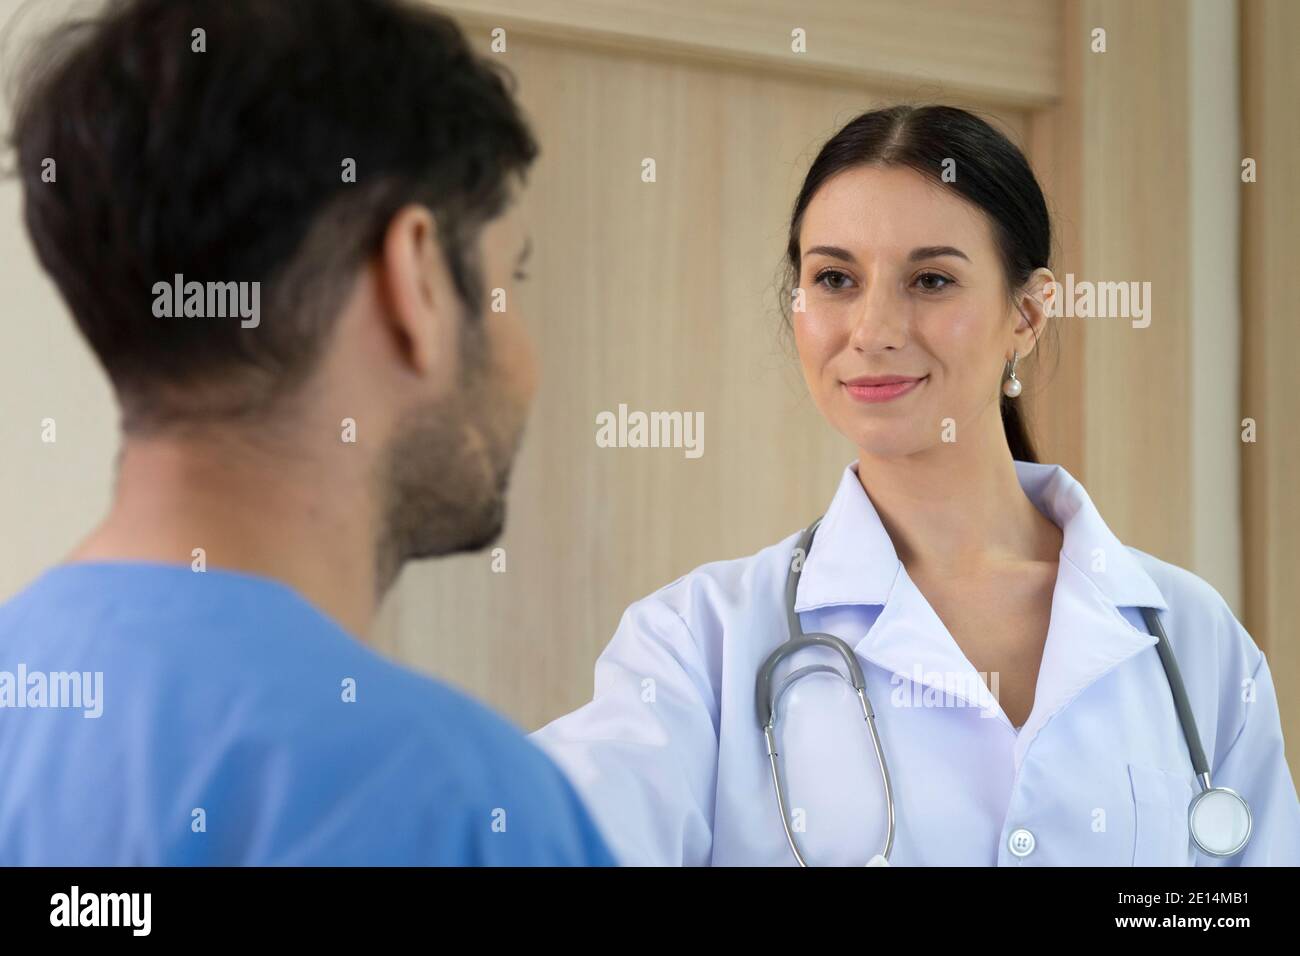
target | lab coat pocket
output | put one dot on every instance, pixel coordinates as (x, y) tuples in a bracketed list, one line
[(1160, 801)]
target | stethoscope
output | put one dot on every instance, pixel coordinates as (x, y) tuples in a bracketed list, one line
[(1219, 819)]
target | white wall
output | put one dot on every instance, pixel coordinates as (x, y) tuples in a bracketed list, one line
[(50, 494)]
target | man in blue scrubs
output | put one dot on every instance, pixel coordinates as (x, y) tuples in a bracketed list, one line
[(290, 233)]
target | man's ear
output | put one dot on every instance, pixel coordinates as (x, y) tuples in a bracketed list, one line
[(1032, 304), (419, 295)]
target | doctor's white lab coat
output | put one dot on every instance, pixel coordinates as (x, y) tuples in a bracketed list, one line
[(671, 761)]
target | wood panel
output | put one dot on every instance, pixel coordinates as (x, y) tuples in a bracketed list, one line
[(1270, 30), (1130, 148), (1003, 51)]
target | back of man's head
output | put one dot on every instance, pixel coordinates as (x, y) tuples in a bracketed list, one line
[(247, 142)]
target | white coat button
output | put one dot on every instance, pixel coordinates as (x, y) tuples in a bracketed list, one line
[(1021, 842)]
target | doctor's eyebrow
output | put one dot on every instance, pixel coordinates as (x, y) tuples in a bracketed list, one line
[(921, 252), (935, 252), (835, 252)]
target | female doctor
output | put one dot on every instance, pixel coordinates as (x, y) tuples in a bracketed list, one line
[(1014, 708)]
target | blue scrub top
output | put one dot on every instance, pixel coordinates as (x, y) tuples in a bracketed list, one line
[(153, 715)]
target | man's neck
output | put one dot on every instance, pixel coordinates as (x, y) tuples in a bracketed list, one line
[(304, 519)]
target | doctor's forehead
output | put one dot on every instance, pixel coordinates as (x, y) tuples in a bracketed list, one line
[(891, 210)]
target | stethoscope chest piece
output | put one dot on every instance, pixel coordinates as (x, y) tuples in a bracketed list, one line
[(1220, 821)]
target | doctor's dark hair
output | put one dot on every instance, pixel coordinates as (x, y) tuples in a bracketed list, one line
[(992, 175), (211, 140)]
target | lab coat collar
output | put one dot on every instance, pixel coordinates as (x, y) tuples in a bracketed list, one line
[(853, 560)]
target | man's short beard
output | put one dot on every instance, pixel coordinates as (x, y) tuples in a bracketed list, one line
[(443, 479), (443, 489)]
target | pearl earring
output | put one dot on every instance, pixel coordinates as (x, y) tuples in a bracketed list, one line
[(1011, 387)]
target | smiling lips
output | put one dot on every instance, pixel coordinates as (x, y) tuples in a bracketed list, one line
[(881, 388)]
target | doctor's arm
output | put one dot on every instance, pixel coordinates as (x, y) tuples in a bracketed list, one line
[(1255, 766), (643, 753)]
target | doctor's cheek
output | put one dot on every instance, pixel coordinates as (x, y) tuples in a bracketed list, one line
[(952, 342), (818, 339)]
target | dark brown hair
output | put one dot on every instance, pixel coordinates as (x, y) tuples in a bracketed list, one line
[(226, 163)]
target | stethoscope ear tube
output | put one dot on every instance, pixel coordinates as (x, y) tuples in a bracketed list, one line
[(1219, 819), (768, 698), (1181, 703)]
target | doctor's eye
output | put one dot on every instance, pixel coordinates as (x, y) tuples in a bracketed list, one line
[(832, 279), (924, 276)]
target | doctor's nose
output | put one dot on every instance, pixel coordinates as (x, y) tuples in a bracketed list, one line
[(880, 322)]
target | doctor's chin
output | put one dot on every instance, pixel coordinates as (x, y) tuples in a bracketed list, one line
[(357, 504)]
